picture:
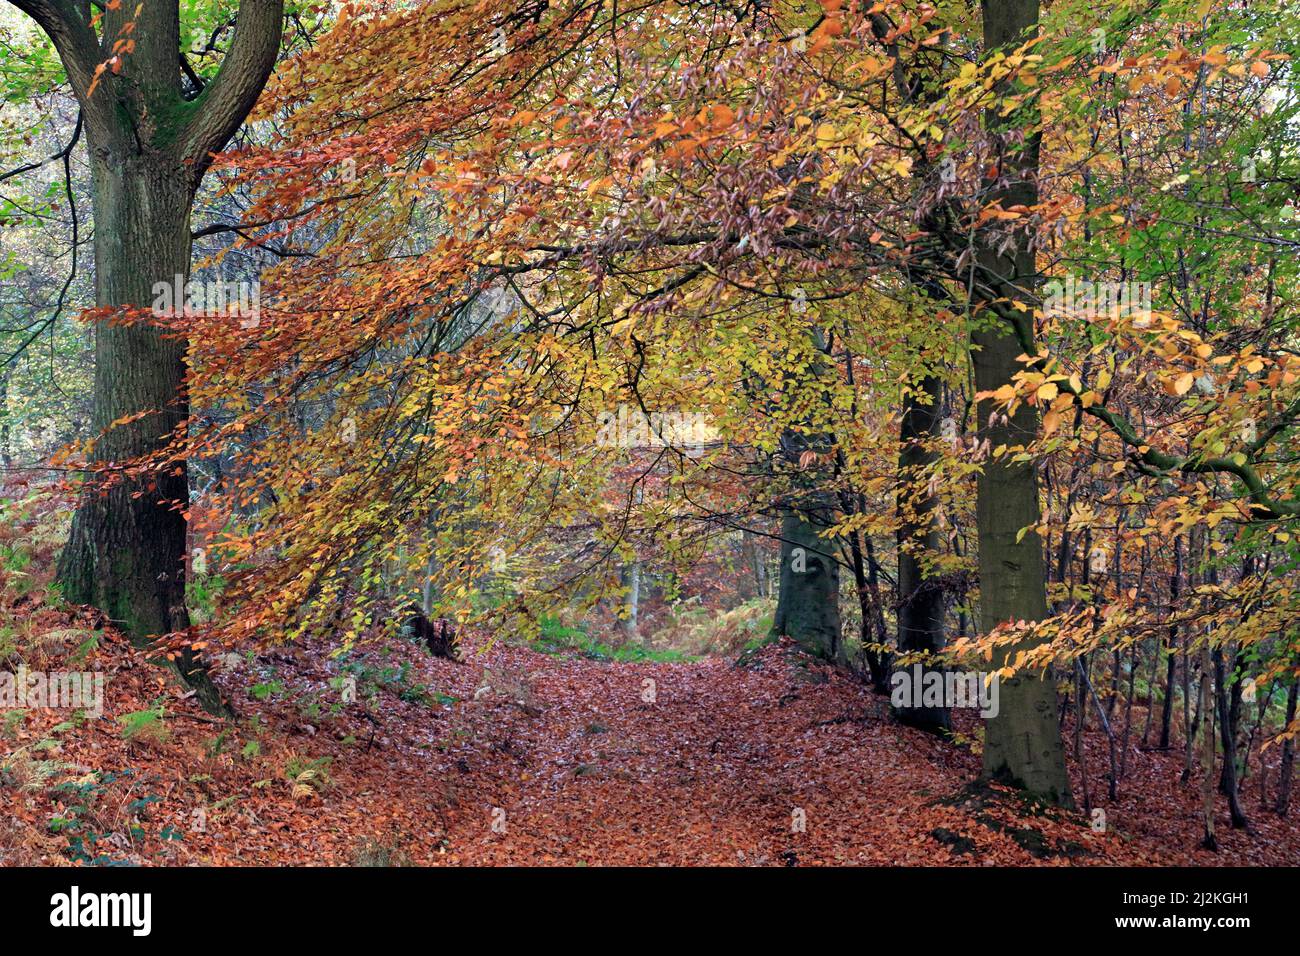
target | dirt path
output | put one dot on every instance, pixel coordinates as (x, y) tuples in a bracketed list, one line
[(702, 763)]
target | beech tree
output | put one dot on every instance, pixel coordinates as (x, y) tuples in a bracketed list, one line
[(149, 145), (1023, 744)]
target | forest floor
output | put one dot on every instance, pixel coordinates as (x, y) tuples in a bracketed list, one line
[(520, 757)]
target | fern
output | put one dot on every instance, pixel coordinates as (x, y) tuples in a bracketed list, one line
[(144, 724)]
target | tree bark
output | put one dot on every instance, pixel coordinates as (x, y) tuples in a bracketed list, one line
[(631, 580), (921, 603), (1209, 840), (148, 148), (807, 606), (1228, 702), (126, 549), (873, 632), (808, 600), (1171, 648), (1288, 753), (1022, 743)]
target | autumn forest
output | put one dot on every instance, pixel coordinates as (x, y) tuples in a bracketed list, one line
[(571, 433)]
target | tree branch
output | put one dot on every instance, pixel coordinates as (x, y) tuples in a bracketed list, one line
[(227, 100), (72, 37)]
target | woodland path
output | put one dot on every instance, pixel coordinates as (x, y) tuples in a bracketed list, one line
[(586, 771), (712, 771)]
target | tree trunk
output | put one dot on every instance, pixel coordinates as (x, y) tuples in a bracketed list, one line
[(760, 560), (1128, 710), (6, 442), (1288, 753), (631, 580), (754, 559), (921, 604), (867, 584), (807, 606), (1209, 840), (1189, 729), (126, 549), (1022, 743), (1167, 711), (148, 149), (808, 602), (1228, 702)]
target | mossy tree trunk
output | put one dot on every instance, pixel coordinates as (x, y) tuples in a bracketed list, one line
[(126, 550), (808, 606)]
